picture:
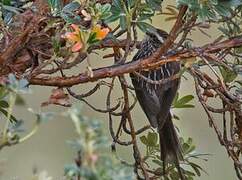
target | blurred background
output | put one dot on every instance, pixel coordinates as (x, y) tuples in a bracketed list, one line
[(48, 149)]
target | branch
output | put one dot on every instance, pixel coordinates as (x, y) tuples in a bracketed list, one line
[(148, 63), (32, 20), (173, 34)]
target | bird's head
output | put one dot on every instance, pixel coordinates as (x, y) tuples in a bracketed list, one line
[(156, 36)]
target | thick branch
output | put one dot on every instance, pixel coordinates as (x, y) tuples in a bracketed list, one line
[(172, 35), (148, 63)]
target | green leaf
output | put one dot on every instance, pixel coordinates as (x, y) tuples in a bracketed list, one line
[(19, 100), (154, 4), (145, 13), (98, 6), (144, 140), (174, 175), (17, 126), (112, 18), (182, 102), (176, 117), (222, 10), (71, 7), (56, 6), (12, 9), (239, 91), (189, 141), (185, 99), (197, 168), (117, 4), (203, 13), (4, 104), (92, 38), (231, 3), (185, 147), (224, 30), (56, 46), (6, 2), (227, 74), (188, 146), (105, 8), (123, 23), (239, 82), (3, 92), (71, 18), (152, 138), (143, 26), (18, 85), (189, 173), (71, 170), (68, 13), (158, 162), (12, 118)]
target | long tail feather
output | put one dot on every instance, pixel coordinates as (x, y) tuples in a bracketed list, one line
[(170, 149)]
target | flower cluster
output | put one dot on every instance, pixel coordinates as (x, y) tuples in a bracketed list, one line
[(77, 37)]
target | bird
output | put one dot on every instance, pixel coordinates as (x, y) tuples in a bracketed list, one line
[(156, 99)]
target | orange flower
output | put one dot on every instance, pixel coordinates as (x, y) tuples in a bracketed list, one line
[(101, 33), (75, 37)]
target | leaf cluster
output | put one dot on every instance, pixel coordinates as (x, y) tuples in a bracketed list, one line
[(189, 167), (211, 9), (134, 12), (95, 164)]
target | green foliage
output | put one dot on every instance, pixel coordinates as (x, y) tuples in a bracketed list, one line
[(90, 144), (4, 111), (92, 38), (10, 91), (96, 11), (12, 87), (17, 86), (190, 168), (119, 12), (123, 12), (228, 75), (182, 102), (15, 130), (55, 6), (150, 140), (106, 169), (68, 13), (6, 2), (102, 11), (9, 8), (211, 9), (154, 4), (231, 28)]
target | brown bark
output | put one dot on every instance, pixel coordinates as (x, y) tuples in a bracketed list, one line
[(148, 63)]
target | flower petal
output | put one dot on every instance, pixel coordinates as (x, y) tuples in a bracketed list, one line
[(72, 37), (103, 33), (96, 28), (77, 47), (75, 27), (100, 33)]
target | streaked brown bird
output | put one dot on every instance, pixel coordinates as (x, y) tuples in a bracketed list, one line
[(156, 99)]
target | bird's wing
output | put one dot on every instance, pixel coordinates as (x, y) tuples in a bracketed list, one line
[(165, 100), (148, 101)]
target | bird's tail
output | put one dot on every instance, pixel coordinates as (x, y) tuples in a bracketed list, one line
[(170, 149)]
